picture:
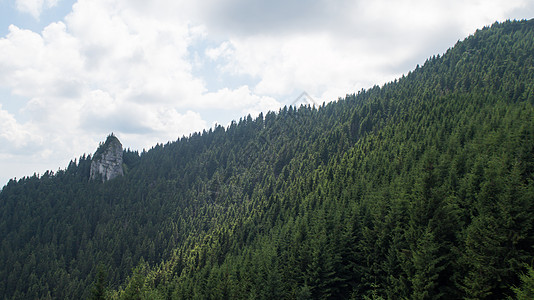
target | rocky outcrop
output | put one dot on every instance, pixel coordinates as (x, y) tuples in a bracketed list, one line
[(107, 161)]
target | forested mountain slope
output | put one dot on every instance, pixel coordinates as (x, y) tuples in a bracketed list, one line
[(422, 188)]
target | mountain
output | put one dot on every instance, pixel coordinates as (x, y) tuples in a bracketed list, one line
[(421, 188)]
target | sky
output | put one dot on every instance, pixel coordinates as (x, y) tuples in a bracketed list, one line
[(72, 72)]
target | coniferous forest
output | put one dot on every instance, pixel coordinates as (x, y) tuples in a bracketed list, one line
[(419, 189)]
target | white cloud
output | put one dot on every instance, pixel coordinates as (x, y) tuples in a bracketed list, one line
[(36, 65), (317, 63), (241, 99), (133, 56), (224, 50), (15, 136), (366, 43), (34, 7)]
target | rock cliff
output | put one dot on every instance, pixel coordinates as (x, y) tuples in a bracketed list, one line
[(107, 160)]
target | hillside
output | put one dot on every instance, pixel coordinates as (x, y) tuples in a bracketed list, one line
[(421, 188)]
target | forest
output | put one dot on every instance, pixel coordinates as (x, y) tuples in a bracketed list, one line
[(422, 188)]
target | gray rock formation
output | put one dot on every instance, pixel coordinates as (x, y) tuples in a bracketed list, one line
[(107, 161)]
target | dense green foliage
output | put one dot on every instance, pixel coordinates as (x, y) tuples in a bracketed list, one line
[(422, 189)]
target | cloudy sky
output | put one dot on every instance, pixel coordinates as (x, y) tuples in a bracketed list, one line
[(71, 72)]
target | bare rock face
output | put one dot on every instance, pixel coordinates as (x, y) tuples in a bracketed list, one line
[(107, 161)]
